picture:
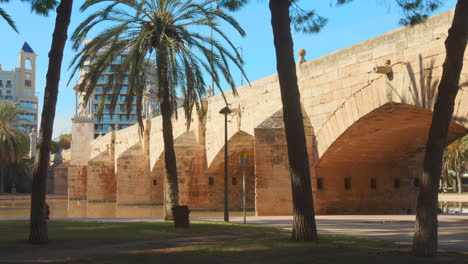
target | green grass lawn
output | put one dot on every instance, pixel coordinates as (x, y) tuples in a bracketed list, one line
[(205, 242)]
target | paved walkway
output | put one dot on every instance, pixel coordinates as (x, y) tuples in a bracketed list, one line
[(453, 229)]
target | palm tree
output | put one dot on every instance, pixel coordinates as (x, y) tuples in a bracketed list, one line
[(166, 35), (454, 158), (41, 7), (14, 142)]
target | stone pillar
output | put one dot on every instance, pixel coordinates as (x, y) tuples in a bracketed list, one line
[(82, 134), (133, 181), (272, 179)]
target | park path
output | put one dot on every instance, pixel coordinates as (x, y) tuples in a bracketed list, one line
[(453, 229)]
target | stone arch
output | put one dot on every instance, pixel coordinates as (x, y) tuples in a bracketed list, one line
[(214, 176), (373, 98), (373, 165)]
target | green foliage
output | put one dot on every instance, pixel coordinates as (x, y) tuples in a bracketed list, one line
[(14, 142), (162, 35), (41, 7), (308, 21), (456, 155), (416, 11), (8, 19), (19, 174)]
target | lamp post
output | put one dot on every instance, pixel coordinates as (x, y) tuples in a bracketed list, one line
[(243, 160), (225, 111)]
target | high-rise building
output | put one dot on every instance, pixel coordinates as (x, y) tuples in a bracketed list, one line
[(19, 85), (119, 117)]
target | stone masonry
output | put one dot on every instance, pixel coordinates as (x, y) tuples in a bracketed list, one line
[(367, 110)]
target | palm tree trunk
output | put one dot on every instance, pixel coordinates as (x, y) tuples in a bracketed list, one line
[(459, 181), (446, 181), (425, 236), (171, 184), (304, 228), (38, 224)]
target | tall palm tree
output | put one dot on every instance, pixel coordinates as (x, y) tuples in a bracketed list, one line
[(168, 36), (14, 142)]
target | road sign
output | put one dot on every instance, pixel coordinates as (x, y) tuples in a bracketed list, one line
[(243, 156)]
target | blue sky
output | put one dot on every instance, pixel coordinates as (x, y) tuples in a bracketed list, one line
[(347, 25)]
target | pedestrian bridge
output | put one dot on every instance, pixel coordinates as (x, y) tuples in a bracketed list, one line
[(367, 111)]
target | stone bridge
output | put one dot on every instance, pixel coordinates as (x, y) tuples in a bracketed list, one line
[(367, 111)]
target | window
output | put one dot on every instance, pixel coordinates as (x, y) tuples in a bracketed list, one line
[(373, 183), (8, 91), (155, 182), (210, 180), (8, 84), (28, 105), (27, 93), (28, 76), (28, 64), (396, 183), (347, 183), (234, 180), (320, 183), (1, 83)]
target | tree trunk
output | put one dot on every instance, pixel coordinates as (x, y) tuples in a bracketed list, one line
[(1, 180), (304, 228), (38, 224), (425, 236), (171, 184), (446, 181), (459, 182)]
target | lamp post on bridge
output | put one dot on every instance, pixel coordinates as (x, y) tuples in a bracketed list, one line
[(225, 111)]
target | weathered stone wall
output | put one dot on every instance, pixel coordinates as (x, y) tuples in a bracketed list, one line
[(77, 181), (101, 179), (240, 142), (272, 178), (133, 181), (61, 178), (387, 197)]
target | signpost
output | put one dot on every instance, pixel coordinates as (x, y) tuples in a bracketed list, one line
[(243, 160)]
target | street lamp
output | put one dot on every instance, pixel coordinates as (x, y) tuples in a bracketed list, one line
[(225, 111)]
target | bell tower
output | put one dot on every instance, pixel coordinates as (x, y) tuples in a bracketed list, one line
[(27, 64)]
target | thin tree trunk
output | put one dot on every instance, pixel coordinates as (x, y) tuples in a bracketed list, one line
[(425, 236), (1, 180), (304, 228), (459, 182), (38, 224), (171, 184)]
